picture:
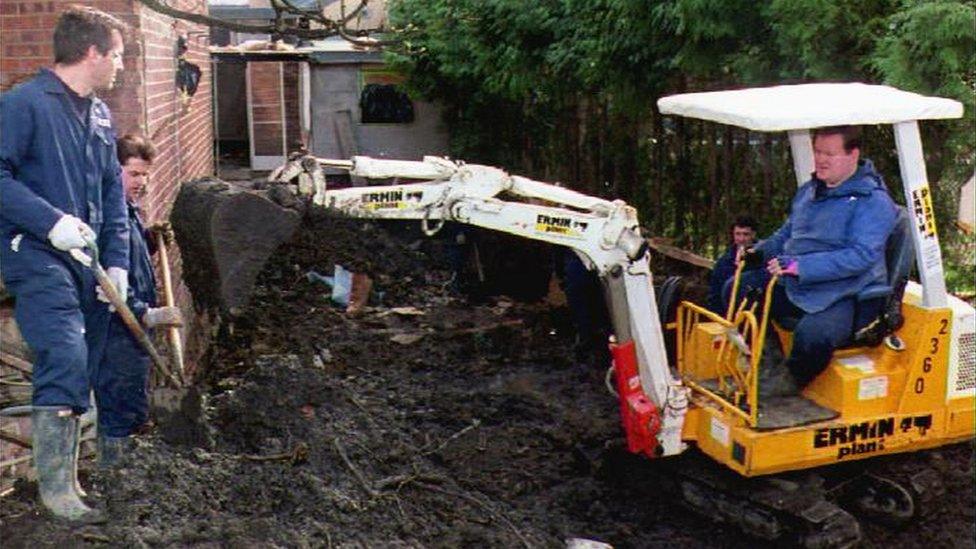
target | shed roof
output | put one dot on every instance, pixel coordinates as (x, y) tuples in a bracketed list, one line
[(803, 106), (333, 50)]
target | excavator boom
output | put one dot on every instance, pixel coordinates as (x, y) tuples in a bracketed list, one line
[(605, 234)]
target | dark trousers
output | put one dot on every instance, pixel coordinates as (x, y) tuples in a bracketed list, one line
[(584, 295), (815, 335), (120, 377), (55, 301)]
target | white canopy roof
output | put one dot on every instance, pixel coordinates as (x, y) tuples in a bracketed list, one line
[(803, 106)]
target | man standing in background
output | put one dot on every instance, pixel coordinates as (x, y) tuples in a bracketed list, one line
[(743, 232)]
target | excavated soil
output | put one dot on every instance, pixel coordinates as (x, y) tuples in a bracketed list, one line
[(428, 421)]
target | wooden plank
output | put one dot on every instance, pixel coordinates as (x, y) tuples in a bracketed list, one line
[(17, 363), (15, 438), (661, 246), (15, 461)]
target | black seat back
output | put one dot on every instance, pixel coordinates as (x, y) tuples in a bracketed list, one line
[(884, 308), (900, 254)]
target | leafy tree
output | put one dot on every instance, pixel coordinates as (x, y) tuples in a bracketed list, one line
[(566, 89)]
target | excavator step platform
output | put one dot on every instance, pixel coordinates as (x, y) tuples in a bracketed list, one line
[(785, 411), (791, 411)]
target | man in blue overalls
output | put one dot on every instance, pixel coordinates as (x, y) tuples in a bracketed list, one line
[(59, 186), (120, 367)]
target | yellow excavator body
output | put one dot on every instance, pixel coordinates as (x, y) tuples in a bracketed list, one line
[(868, 402)]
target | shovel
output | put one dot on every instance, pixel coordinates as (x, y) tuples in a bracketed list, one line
[(178, 410), (126, 315)]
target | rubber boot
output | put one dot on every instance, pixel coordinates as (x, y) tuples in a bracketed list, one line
[(91, 416), (111, 450), (55, 436), (74, 470)]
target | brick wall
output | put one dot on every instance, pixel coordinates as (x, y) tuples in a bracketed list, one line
[(145, 100), (25, 38), (182, 130)]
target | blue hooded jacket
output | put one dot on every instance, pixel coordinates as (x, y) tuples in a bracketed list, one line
[(838, 239), (723, 270)]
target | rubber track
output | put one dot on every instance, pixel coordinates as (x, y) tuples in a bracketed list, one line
[(791, 509)]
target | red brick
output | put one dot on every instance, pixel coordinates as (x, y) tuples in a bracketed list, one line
[(38, 7), (33, 37), (22, 50), (114, 6), (28, 22)]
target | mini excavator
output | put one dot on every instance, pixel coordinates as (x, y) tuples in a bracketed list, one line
[(910, 385)]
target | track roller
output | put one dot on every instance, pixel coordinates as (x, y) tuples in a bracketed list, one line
[(881, 499)]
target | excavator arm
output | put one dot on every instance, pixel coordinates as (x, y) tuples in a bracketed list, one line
[(605, 234)]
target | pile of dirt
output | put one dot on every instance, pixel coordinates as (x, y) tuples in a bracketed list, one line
[(427, 421)]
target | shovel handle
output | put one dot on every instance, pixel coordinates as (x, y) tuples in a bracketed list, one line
[(125, 313), (175, 341), (131, 322)]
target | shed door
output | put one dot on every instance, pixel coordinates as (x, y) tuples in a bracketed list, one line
[(266, 114)]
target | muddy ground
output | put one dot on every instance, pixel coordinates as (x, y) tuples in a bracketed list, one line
[(433, 420)]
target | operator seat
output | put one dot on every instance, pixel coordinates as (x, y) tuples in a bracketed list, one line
[(879, 309)]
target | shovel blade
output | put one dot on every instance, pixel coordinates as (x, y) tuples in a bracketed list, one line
[(180, 418)]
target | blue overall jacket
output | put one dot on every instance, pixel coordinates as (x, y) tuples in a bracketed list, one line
[(52, 163), (56, 161), (723, 270), (142, 278), (838, 236)]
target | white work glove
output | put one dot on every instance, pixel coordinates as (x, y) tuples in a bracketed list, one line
[(70, 233), (162, 316), (81, 257), (120, 279)]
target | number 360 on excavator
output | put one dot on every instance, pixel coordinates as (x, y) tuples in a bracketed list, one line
[(909, 386)]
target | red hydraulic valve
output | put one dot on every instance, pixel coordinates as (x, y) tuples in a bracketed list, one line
[(639, 415)]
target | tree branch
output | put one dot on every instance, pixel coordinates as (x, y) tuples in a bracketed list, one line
[(330, 27)]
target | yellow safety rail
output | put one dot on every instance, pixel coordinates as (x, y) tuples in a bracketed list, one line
[(740, 323), (689, 315), (735, 290)]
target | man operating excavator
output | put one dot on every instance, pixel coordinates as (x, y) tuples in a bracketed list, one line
[(830, 249)]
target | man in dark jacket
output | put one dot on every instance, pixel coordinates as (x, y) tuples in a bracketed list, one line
[(59, 179), (830, 249), (120, 366), (743, 232)]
